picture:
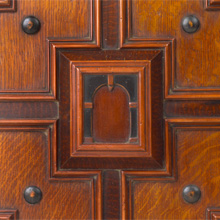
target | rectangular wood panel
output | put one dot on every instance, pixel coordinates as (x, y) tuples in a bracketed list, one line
[(24, 162), (197, 150), (25, 75), (195, 75)]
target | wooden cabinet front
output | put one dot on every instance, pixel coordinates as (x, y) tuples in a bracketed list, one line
[(109, 109)]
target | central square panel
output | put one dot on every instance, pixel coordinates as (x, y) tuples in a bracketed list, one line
[(110, 109)]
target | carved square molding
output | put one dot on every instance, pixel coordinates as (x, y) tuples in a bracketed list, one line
[(113, 141), (81, 145)]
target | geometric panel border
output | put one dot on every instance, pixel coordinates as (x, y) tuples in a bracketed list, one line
[(8, 214), (171, 90), (68, 157), (213, 213), (128, 178)]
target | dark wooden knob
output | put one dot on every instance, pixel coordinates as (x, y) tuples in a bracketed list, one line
[(190, 24), (30, 25), (191, 194), (32, 195)]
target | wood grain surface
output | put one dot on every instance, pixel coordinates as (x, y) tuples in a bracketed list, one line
[(26, 71), (178, 104), (197, 163), (24, 162), (197, 54)]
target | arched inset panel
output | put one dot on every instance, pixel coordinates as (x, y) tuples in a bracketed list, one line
[(111, 115)]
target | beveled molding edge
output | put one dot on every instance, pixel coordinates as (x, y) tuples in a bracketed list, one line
[(54, 44), (212, 213), (8, 214), (7, 5), (212, 4)]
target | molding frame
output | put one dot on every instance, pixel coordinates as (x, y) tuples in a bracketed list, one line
[(71, 151), (166, 44), (124, 67), (212, 4), (50, 93), (51, 127), (7, 5)]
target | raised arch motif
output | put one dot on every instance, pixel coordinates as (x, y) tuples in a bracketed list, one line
[(111, 115)]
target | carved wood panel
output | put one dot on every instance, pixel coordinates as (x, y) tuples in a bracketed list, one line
[(25, 75), (111, 109), (147, 20), (195, 162)]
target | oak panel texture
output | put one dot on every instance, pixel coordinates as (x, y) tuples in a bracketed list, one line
[(26, 71), (24, 159), (197, 55), (198, 163)]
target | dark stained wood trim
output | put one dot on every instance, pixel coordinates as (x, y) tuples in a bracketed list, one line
[(29, 110), (110, 24), (111, 194)]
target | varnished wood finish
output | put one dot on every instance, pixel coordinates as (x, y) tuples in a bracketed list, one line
[(28, 141), (194, 168), (25, 77), (184, 83), (110, 17), (42, 107), (148, 154), (111, 123)]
